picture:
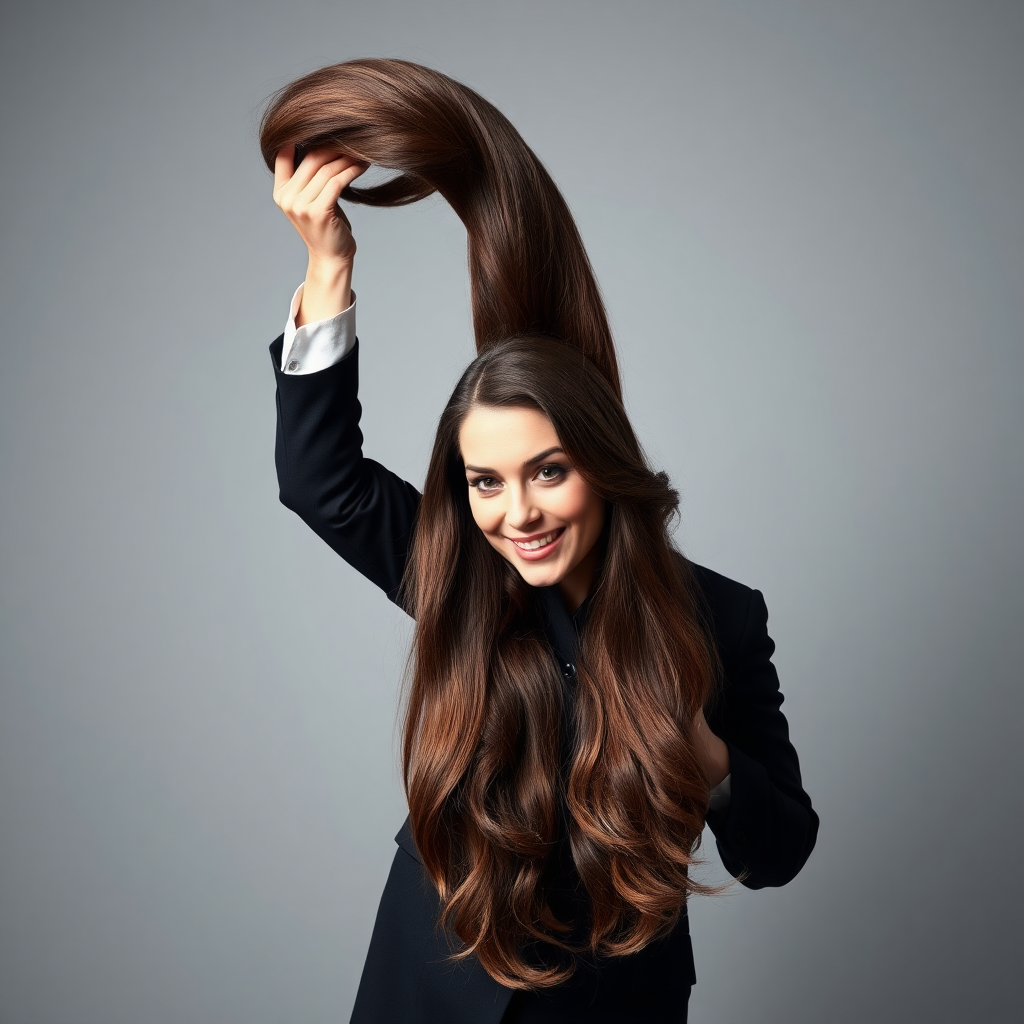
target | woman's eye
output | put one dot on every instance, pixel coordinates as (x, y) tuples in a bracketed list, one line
[(549, 473), (484, 483)]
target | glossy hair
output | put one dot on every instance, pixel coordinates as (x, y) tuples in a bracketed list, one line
[(528, 269), (484, 711), (481, 755)]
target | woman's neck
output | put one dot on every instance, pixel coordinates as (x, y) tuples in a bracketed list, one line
[(575, 585)]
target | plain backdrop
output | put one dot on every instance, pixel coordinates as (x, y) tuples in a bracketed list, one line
[(807, 221)]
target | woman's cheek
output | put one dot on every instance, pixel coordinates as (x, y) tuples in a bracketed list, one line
[(576, 504), (487, 519)]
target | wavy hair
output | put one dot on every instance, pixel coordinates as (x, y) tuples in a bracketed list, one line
[(481, 754), (483, 768)]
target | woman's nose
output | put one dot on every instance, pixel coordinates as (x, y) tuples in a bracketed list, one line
[(521, 511)]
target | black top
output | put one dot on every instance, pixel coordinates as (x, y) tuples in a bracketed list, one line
[(366, 514)]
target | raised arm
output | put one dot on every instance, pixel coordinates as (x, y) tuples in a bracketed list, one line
[(365, 512)]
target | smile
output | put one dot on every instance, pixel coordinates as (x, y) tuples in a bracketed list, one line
[(538, 545)]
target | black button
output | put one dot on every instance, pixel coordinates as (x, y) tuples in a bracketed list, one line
[(568, 670)]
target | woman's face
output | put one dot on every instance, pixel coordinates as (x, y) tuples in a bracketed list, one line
[(533, 507)]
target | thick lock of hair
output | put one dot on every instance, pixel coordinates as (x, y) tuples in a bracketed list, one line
[(529, 272)]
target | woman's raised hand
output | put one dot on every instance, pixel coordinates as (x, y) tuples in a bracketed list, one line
[(309, 195)]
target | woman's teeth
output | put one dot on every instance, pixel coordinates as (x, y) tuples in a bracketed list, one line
[(532, 545)]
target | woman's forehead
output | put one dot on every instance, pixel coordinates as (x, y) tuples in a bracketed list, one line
[(508, 435)]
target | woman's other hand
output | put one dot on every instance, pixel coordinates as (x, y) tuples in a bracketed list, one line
[(714, 750), (309, 195)]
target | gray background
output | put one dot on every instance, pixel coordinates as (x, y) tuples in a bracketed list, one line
[(807, 221)]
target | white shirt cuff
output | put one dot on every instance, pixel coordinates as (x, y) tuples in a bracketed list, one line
[(721, 794), (317, 345)]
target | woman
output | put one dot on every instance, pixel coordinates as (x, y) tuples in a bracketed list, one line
[(557, 758)]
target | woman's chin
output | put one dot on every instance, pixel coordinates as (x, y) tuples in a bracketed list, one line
[(540, 575)]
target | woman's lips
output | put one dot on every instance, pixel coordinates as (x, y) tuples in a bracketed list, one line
[(538, 546)]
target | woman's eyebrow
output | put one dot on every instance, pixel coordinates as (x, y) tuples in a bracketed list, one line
[(543, 455), (529, 462)]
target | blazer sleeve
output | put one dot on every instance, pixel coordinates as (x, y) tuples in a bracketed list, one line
[(769, 828), (364, 511)]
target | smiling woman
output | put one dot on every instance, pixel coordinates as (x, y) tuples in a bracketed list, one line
[(557, 760), (542, 445), (533, 506)]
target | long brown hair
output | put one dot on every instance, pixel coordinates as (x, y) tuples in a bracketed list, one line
[(528, 269), (481, 753)]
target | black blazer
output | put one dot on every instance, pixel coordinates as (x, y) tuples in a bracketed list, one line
[(366, 514)]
